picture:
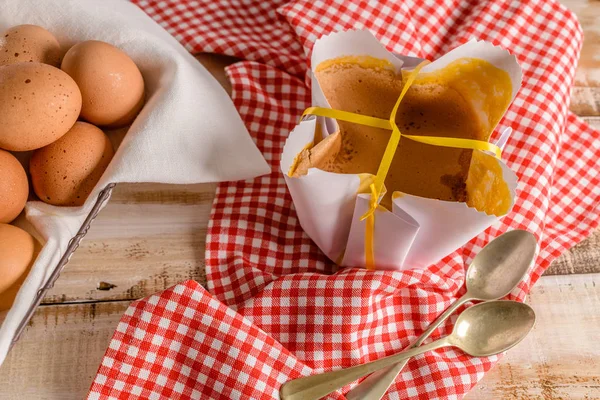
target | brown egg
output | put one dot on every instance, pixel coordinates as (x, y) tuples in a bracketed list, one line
[(111, 84), (7, 298), (65, 172), (14, 187), (29, 43), (17, 252), (38, 104)]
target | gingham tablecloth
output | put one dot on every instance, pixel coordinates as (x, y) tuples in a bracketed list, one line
[(276, 309)]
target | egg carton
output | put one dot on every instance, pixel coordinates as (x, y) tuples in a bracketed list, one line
[(74, 242)]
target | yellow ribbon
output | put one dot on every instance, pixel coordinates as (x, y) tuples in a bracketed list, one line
[(348, 117), (370, 231), (381, 123), (390, 150)]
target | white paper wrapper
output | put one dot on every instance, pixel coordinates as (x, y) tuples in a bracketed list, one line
[(188, 132), (418, 231)]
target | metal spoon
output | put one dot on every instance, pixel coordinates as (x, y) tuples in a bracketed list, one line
[(493, 273), (482, 330)]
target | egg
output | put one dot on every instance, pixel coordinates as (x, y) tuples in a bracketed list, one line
[(38, 104), (65, 172), (111, 84), (7, 298), (18, 250), (29, 43), (14, 187)]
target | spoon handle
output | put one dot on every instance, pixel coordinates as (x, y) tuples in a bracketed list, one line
[(316, 386), (376, 385)]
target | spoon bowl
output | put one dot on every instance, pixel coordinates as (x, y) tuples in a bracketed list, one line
[(491, 328), (500, 266)]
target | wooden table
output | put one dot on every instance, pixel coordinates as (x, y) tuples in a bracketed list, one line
[(151, 236)]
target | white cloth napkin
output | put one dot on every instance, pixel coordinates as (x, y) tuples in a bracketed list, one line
[(188, 132)]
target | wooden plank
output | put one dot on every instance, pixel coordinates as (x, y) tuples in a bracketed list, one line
[(559, 359), (581, 259), (148, 238), (585, 98), (59, 353)]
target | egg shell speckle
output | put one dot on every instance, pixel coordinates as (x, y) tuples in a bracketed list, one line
[(65, 172), (38, 104), (111, 84), (14, 187), (29, 43)]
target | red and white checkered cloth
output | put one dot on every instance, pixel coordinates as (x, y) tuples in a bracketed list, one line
[(294, 315)]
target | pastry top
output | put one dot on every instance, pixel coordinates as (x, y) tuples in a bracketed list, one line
[(453, 101)]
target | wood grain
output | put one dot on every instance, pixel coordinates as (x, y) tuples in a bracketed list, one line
[(148, 238), (60, 351), (584, 258), (59, 354), (559, 358), (585, 98)]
